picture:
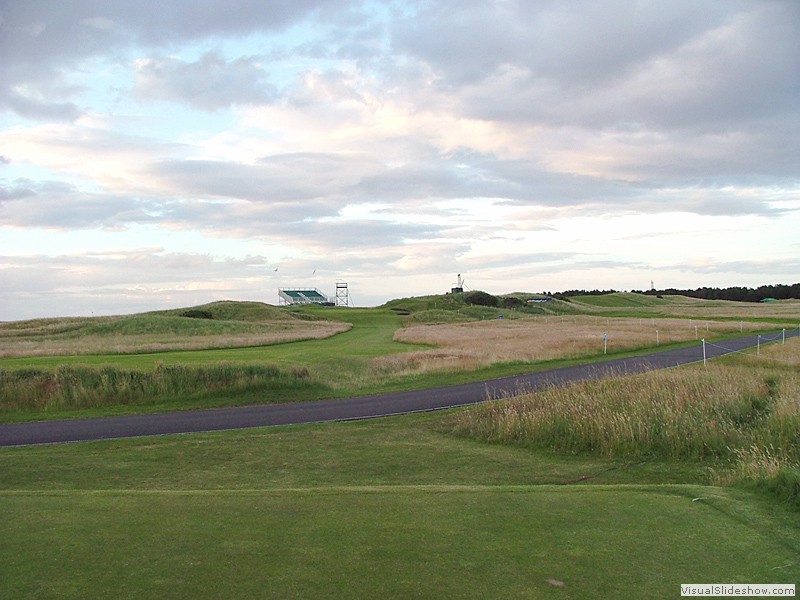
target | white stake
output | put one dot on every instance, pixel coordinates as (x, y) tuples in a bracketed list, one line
[(704, 352)]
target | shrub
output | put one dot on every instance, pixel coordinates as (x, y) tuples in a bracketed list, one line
[(512, 302), (195, 313), (481, 299)]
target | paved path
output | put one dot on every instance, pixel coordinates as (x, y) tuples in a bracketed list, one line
[(362, 407)]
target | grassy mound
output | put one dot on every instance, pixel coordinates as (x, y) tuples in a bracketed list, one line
[(228, 310), (214, 325), (474, 305)]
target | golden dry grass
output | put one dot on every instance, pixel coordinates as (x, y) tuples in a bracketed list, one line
[(481, 343)]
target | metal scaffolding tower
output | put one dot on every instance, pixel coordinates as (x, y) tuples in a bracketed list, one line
[(342, 294)]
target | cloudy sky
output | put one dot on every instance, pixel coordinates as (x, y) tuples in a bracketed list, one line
[(171, 153)]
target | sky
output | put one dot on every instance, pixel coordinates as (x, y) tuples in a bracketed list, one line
[(167, 154)]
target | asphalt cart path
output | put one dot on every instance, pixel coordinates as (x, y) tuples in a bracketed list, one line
[(362, 407)]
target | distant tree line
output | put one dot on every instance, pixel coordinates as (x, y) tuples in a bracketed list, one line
[(737, 294)]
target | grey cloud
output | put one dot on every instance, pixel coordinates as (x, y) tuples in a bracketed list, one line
[(467, 174), (359, 233), (58, 205), (280, 178), (38, 109), (44, 30), (663, 65), (320, 184), (130, 266), (41, 39), (292, 224), (305, 187), (575, 43), (21, 188), (536, 261), (777, 267), (209, 84)]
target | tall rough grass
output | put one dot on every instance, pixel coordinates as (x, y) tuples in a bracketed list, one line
[(675, 414), (75, 386), (744, 412)]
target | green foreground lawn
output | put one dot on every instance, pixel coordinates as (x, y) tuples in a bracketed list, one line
[(389, 508)]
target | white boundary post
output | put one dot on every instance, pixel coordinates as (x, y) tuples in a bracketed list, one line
[(704, 352)]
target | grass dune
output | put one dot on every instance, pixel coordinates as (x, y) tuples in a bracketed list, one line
[(216, 325)]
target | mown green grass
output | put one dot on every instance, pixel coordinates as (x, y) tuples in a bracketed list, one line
[(393, 508), (614, 542)]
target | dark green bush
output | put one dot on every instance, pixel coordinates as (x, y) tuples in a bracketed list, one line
[(481, 299), (195, 313), (512, 302)]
